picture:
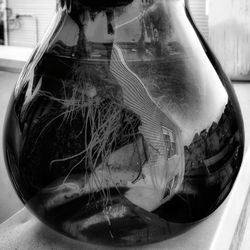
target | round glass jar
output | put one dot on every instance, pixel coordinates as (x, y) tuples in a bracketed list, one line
[(123, 128)]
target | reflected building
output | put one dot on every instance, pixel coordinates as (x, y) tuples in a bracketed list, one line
[(212, 145), (211, 166), (211, 158)]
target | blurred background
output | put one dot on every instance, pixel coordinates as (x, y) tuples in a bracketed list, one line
[(225, 24)]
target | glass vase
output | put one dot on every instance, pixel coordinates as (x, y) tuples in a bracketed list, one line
[(123, 128)]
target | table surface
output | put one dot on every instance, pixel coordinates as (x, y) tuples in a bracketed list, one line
[(23, 231)]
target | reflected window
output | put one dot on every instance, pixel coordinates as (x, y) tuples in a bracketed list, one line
[(170, 141)]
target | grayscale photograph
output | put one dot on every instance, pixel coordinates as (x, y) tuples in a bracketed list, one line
[(125, 124)]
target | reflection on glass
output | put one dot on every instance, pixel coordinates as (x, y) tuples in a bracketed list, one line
[(123, 128)]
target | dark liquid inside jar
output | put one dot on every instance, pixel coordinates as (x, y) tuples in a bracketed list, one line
[(122, 129)]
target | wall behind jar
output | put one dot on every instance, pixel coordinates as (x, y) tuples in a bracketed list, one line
[(198, 9), (229, 35), (28, 20)]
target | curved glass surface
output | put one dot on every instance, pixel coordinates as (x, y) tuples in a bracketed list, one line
[(123, 129)]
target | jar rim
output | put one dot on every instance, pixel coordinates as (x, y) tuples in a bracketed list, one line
[(96, 4)]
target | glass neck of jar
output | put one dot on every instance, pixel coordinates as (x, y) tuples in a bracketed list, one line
[(64, 4), (94, 5)]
